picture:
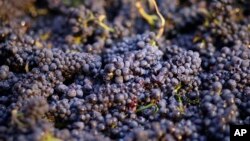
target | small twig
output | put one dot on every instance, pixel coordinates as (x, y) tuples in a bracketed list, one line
[(49, 137), (163, 22), (145, 107), (151, 5), (153, 43), (142, 108), (176, 91), (27, 66), (90, 17), (196, 101), (177, 88), (149, 18), (101, 19), (15, 115)]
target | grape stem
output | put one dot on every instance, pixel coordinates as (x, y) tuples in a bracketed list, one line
[(163, 22), (152, 18), (99, 20), (101, 23), (149, 18), (142, 108)]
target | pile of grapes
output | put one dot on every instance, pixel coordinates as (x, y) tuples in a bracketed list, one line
[(127, 70)]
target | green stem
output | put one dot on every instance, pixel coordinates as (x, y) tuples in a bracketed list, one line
[(145, 107)]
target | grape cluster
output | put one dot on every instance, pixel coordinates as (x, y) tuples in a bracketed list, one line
[(100, 70)]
